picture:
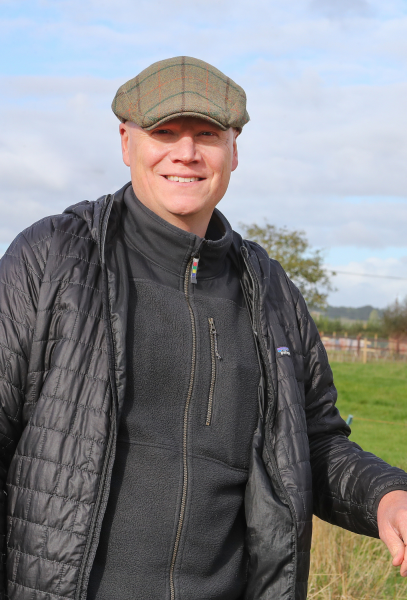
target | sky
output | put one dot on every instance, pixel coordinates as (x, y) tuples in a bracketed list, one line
[(325, 150)]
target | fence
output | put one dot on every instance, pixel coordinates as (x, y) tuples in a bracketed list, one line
[(364, 349)]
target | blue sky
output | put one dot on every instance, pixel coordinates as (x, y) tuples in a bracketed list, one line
[(325, 150)]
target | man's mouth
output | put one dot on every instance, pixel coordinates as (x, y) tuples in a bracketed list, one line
[(182, 179)]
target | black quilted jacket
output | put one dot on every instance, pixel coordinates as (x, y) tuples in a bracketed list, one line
[(63, 307)]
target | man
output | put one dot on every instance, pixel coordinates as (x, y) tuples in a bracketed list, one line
[(168, 412)]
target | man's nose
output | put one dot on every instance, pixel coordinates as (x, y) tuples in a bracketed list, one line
[(185, 150)]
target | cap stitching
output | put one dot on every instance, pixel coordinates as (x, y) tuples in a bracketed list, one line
[(235, 86), (227, 94), (183, 84), (159, 89), (190, 92), (195, 94), (207, 77)]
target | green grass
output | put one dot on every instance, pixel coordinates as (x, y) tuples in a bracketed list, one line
[(356, 567), (376, 391)]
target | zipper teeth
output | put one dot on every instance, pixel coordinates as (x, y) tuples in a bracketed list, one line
[(213, 373), (184, 436), (80, 593)]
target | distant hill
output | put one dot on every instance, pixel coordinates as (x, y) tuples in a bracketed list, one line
[(354, 314)]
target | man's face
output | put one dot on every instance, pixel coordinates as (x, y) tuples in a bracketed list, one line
[(162, 159)]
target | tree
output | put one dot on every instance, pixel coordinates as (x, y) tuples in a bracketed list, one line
[(374, 317), (302, 264), (395, 319)]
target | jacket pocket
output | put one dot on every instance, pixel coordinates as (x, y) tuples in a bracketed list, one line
[(213, 335)]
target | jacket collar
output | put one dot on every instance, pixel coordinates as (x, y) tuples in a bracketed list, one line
[(104, 218), (172, 247)]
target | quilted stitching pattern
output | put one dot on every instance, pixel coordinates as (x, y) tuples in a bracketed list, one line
[(55, 401)]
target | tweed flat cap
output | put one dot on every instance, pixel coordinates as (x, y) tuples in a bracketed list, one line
[(181, 87)]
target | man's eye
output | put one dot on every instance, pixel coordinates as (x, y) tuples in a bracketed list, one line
[(209, 133), (162, 131)]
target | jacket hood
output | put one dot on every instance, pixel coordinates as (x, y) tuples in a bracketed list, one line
[(93, 212), (88, 212)]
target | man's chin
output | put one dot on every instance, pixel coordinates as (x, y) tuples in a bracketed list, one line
[(187, 207), (185, 214)]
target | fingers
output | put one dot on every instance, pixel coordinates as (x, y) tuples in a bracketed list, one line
[(398, 555), (403, 568), (402, 529), (397, 549), (392, 523), (395, 545)]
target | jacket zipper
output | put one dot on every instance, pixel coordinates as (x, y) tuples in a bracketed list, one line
[(263, 353), (214, 355), (96, 523), (185, 432)]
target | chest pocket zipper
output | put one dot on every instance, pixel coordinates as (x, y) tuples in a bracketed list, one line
[(213, 334)]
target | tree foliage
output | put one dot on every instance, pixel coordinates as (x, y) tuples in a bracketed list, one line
[(350, 328), (303, 264), (395, 319)]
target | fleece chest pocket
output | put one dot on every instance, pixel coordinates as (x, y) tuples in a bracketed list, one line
[(215, 359)]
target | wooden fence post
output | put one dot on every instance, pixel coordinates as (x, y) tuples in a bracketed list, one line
[(365, 351)]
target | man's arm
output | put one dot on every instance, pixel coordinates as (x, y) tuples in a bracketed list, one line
[(20, 279), (348, 483)]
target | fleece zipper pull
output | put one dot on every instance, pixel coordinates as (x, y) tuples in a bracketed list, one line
[(214, 335), (194, 269)]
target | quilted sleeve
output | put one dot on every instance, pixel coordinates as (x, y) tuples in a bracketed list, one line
[(20, 278), (348, 483)]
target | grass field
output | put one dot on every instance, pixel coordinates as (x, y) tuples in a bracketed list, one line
[(345, 566), (372, 393)]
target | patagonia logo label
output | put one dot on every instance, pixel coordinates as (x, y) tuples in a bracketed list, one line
[(283, 351)]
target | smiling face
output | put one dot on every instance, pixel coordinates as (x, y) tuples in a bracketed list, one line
[(181, 169)]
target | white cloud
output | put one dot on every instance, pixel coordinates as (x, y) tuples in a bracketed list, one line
[(333, 8), (122, 34), (378, 290), (345, 140), (59, 145)]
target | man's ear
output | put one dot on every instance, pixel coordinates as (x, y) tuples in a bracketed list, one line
[(235, 158), (124, 133)]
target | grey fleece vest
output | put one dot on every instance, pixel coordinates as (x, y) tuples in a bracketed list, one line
[(174, 526)]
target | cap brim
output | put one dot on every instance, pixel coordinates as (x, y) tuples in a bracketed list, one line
[(186, 114)]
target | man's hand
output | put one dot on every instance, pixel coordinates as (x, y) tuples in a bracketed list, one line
[(392, 522)]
